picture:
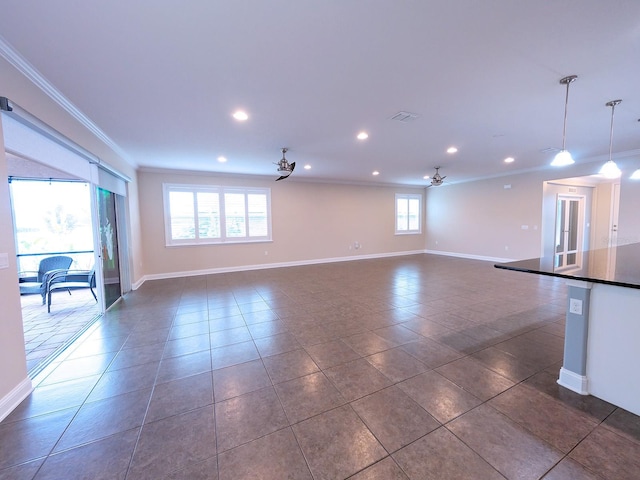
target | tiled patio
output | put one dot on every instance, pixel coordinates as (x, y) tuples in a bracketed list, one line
[(45, 333), (417, 367)]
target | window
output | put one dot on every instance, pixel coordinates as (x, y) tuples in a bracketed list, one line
[(201, 214), (408, 213)]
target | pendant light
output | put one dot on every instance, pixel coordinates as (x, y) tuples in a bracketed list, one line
[(635, 175), (563, 157), (610, 169)]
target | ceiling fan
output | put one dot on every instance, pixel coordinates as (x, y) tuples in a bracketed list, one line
[(437, 179), (284, 167)]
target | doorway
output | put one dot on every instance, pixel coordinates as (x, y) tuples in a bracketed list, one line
[(36, 151), (579, 223), (52, 219)]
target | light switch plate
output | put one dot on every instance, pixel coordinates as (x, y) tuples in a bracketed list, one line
[(4, 260)]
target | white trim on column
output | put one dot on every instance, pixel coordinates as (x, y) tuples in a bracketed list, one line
[(573, 381)]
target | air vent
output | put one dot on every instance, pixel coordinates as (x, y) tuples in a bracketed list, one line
[(550, 150), (405, 117), (573, 190)]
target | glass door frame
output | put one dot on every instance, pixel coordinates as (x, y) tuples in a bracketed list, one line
[(121, 239), (563, 233)]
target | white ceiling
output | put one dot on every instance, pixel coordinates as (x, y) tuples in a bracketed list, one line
[(161, 79)]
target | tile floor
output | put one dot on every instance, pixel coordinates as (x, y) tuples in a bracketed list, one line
[(46, 333), (416, 367)]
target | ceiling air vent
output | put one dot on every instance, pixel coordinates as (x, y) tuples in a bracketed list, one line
[(550, 150), (405, 117)]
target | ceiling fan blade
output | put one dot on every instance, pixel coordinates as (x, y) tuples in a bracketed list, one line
[(443, 177), (282, 177)]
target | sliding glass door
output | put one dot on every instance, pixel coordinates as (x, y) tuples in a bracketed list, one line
[(108, 225)]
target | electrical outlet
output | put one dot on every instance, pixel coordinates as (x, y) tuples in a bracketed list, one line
[(575, 306)]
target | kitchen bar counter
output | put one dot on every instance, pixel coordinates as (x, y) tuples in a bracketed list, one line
[(625, 274), (602, 332)]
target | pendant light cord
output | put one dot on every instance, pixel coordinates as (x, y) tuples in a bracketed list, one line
[(610, 169), (612, 104), (564, 127), (566, 81), (613, 108)]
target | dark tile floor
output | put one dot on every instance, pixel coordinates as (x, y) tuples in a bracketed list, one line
[(417, 367)]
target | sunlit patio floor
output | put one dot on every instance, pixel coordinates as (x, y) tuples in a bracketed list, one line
[(46, 333)]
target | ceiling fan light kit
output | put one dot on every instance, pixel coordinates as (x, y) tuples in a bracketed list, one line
[(563, 157), (437, 179), (284, 167)]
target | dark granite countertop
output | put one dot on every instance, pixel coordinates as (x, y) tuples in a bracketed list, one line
[(595, 266)]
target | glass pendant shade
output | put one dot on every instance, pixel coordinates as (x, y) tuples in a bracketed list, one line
[(562, 159), (635, 175), (610, 170)]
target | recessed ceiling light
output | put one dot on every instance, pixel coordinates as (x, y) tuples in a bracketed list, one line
[(452, 150), (222, 159), (240, 116), (375, 172), (363, 136), (307, 167), (426, 177), (509, 160)]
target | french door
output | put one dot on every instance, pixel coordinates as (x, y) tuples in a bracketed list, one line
[(569, 232)]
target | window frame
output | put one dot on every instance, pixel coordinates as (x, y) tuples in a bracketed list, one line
[(220, 191), (408, 197)]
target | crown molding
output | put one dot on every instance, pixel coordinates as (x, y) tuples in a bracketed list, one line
[(32, 74)]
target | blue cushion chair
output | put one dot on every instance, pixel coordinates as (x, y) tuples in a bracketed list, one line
[(37, 283)]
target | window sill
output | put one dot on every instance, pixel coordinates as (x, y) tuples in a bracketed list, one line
[(207, 244)]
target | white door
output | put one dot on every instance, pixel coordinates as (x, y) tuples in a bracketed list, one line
[(613, 230)]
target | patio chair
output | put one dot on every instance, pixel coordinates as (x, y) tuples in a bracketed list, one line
[(70, 280), (30, 283)]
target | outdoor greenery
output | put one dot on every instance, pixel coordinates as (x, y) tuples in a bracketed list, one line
[(51, 217)]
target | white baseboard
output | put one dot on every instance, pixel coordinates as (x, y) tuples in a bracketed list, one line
[(138, 284), (244, 268), (573, 381), (469, 256), (14, 397)]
